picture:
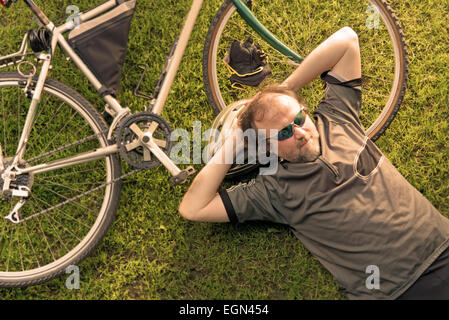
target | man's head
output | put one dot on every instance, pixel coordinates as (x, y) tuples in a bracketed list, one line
[(276, 108)]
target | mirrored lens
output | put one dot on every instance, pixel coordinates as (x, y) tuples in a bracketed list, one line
[(285, 133), (300, 119)]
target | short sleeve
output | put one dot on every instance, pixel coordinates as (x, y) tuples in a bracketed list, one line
[(343, 99), (250, 201)]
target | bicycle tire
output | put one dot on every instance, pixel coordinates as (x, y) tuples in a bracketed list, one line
[(376, 115), (42, 247)]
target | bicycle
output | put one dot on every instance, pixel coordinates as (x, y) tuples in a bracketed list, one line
[(60, 161)]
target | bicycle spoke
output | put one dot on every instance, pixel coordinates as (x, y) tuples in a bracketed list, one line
[(73, 219), (9, 251), (309, 26), (373, 56), (377, 78), (69, 231), (40, 112), (65, 147), (56, 232), (45, 238), (251, 34), (65, 215), (64, 186), (74, 172), (67, 198), (18, 116), (4, 121), (20, 250), (55, 136), (59, 132), (31, 244), (58, 209), (2, 234), (72, 189), (390, 66), (279, 28)]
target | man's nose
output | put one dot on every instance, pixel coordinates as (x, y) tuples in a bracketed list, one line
[(299, 132)]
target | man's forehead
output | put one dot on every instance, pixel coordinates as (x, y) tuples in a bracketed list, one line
[(285, 100), (277, 106)]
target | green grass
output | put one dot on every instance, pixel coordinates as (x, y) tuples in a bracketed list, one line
[(150, 252)]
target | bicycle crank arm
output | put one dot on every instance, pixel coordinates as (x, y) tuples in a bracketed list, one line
[(147, 141)]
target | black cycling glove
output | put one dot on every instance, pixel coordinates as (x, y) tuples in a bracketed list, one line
[(247, 63)]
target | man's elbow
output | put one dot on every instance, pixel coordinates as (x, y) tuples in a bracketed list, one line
[(349, 34), (184, 212), (187, 213)]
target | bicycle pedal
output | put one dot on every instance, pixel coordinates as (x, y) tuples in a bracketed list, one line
[(182, 177)]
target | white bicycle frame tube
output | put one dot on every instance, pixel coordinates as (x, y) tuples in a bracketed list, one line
[(78, 159), (174, 62), (32, 110)]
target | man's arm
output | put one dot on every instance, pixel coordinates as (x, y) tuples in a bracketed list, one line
[(339, 53), (202, 202)]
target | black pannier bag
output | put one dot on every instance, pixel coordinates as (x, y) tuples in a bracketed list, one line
[(102, 43)]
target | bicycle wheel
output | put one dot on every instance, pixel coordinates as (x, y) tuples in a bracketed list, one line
[(69, 209), (302, 25)]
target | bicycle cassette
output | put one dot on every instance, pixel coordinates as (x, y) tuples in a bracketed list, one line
[(130, 145)]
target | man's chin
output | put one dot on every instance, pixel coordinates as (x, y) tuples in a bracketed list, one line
[(302, 158), (309, 156)]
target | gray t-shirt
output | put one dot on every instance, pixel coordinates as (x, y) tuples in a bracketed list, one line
[(351, 208)]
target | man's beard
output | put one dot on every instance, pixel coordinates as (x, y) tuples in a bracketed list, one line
[(312, 154)]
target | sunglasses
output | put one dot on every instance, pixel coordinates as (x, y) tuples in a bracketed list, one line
[(287, 131)]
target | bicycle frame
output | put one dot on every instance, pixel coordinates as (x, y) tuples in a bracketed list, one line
[(113, 107)]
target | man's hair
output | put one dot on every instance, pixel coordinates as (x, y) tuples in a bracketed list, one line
[(256, 107)]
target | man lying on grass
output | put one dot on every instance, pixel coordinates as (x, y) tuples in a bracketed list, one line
[(342, 198)]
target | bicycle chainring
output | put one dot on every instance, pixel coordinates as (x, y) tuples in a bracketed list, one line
[(140, 157)]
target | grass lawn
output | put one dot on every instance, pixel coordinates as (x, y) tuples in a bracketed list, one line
[(151, 252)]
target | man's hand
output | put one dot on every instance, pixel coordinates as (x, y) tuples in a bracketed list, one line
[(233, 144)]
